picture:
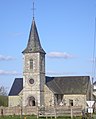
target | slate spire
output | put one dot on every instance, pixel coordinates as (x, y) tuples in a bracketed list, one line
[(34, 44)]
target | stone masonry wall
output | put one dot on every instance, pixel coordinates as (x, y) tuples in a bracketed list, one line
[(48, 96)]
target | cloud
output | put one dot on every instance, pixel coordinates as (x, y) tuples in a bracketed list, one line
[(6, 58), (17, 34), (60, 55), (4, 72), (60, 73)]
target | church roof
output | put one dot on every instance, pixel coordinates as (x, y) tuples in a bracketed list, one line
[(16, 87), (58, 85), (94, 83), (68, 85), (34, 41)]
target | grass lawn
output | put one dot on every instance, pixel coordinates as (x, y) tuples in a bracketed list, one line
[(34, 117)]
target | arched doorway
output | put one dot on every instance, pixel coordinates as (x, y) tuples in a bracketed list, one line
[(31, 101)]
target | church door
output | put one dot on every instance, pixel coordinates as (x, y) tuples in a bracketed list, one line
[(31, 101), (58, 98)]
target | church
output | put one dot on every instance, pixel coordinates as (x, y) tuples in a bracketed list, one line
[(37, 89)]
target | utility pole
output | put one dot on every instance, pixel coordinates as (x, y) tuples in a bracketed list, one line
[(93, 65)]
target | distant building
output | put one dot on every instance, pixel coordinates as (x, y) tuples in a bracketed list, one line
[(36, 89)]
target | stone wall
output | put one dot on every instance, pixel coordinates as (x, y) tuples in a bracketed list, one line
[(13, 101), (18, 111), (78, 100), (48, 96), (41, 111)]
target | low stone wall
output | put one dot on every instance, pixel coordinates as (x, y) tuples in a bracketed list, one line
[(18, 111), (41, 111)]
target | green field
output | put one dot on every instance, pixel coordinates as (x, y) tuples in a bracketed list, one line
[(34, 117)]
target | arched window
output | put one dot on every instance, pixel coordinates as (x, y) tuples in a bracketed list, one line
[(31, 63), (31, 101)]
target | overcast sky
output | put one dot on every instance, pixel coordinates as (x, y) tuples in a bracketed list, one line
[(66, 30)]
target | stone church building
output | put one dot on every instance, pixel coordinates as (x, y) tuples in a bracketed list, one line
[(37, 89)]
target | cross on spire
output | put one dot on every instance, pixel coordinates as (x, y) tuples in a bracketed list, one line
[(33, 9)]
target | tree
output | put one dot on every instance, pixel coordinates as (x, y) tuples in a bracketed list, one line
[(3, 91), (3, 96)]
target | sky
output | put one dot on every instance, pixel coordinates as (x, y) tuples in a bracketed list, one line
[(66, 30)]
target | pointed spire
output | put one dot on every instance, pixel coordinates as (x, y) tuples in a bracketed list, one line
[(34, 41)]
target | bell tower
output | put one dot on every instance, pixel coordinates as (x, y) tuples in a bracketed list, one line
[(33, 70)]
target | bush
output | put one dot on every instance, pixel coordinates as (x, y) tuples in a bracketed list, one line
[(4, 101)]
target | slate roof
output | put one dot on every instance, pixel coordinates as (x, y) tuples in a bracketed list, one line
[(16, 87), (68, 85), (94, 83), (58, 85), (34, 41)]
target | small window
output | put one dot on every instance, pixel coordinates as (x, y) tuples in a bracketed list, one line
[(71, 102), (31, 63), (41, 63), (31, 81)]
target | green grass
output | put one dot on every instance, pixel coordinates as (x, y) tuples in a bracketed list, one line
[(34, 117)]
